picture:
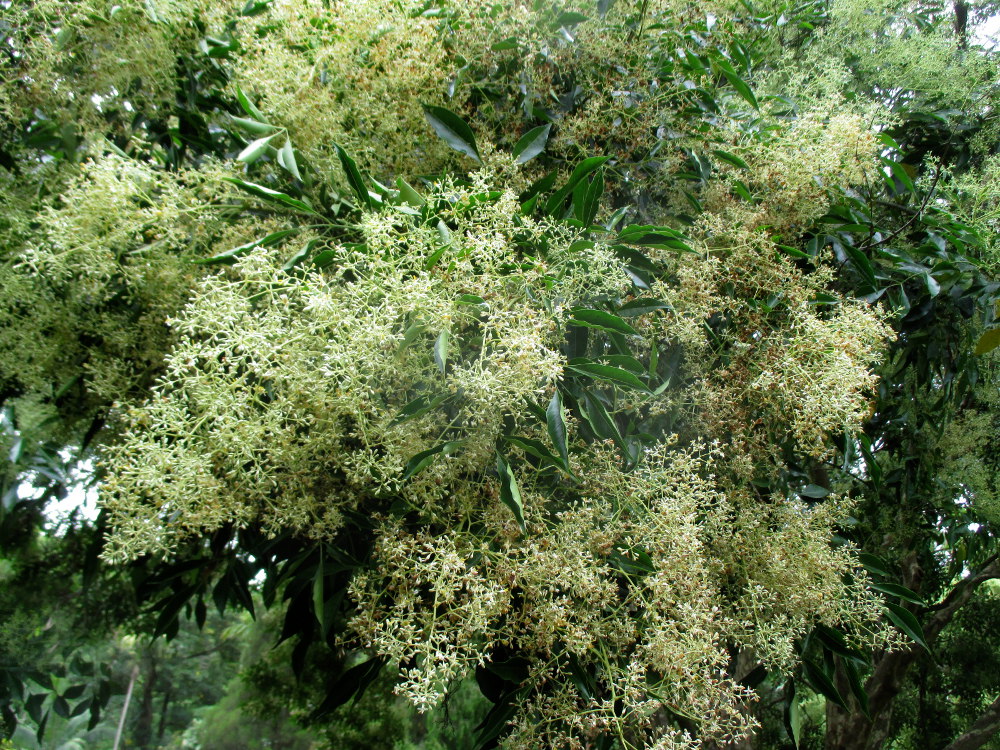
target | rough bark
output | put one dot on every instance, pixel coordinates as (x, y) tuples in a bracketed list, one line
[(981, 731)]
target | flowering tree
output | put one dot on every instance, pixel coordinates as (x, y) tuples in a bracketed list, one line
[(589, 348)]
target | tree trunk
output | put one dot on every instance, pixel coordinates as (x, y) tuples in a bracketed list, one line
[(851, 730)]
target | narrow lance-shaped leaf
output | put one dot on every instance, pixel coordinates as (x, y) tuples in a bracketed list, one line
[(510, 495), (453, 130), (556, 423), (531, 144), (248, 106), (286, 158), (819, 680), (441, 350), (271, 196), (600, 319), (606, 372), (738, 83), (354, 178), (907, 622), (255, 149), (319, 600), (423, 459)]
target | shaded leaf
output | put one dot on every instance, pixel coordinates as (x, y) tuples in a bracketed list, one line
[(531, 144), (453, 130), (354, 178), (510, 494)]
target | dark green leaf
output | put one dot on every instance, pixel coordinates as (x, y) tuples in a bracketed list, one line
[(531, 144), (454, 130), (897, 590), (423, 459), (874, 564), (857, 686), (599, 319), (907, 622), (737, 83), (731, 159), (555, 422), (351, 684), (319, 598), (642, 306), (230, 256), (814, 491), (354, 178), (418, 407), (271, 196), (988, 342), (606, 372), (821, 683), (537, 449), (556, 200), (510, 495)]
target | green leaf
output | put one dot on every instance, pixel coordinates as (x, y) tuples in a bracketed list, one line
[(271, 196), (454, 130), (814, 491), (731, 159), (248, 106), (874, 564), (408, 194), (601, 423), (584, 168), (857, 686), (642, 306), (907, 622), (606, 372), (354, 178), (988, 342), (531, 144), (737, 83), (821, 683), (252, 126), (537, 449), (319, 600), (555, 422), (508, 43), (897, 590), (418, 407), (286, 158), (230, 256), (654, 236), (602, 320), (441, 350), (510, 495), (255, 149), (423, 459)]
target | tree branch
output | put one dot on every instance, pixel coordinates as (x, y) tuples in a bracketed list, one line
[(981, 731)]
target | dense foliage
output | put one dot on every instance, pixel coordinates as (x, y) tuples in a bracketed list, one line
[(634, 358)]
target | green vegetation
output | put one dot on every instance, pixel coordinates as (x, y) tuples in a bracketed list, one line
[(581, 374)]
